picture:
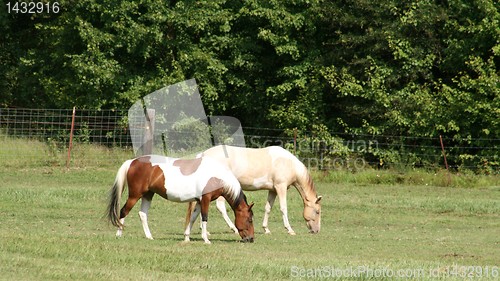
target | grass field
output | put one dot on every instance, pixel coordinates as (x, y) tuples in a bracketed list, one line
[(52, 228)]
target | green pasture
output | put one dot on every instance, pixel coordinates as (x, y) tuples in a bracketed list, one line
[(375, 223), (52, 228)]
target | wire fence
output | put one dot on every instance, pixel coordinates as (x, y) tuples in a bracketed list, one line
[(103, 127), (42, 136)]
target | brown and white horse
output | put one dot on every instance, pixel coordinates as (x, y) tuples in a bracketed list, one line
[(274, 169), (180, 180)]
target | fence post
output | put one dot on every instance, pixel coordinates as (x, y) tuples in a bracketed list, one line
[(71, 137), (149, 132), (445, 162)]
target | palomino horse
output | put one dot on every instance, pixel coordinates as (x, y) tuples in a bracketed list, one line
[(179, 180), (274, 169)]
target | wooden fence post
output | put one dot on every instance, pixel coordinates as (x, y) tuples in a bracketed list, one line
[(71, 137), (147, 147), (445, 161)]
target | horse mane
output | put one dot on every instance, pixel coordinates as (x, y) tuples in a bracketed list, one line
[(310, 182), (237, 200), (305, 181), (233, 189)]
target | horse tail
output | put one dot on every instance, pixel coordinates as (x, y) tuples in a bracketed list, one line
[(116, 193)]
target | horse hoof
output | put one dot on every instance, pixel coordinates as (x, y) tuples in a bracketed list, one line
[(267, 231), (150, 238), (208, 242), (291, 232)]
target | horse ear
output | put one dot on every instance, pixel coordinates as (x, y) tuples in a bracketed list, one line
[(250, 206), (318, 199)]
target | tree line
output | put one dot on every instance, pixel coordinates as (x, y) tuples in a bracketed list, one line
[(414, 68)]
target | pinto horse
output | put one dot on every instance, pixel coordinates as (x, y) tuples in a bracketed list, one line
[(199, 180), (274, 169)]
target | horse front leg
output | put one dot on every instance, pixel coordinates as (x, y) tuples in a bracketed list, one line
[(221, 207), (204, 219), (281, 191), (189, 226), (271, 196)]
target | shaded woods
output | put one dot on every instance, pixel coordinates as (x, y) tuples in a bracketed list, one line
[(406, 68)]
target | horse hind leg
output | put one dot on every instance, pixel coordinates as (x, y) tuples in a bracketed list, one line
[(119, 232), (143, 213), (124, 212), (189, 212), (221, 207), (189, 226)]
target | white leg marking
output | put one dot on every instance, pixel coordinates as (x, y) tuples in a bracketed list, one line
[(204, 232), (208, 233), (119, 232), (221, 206), (194, 215), (271, 196), (143, 214)]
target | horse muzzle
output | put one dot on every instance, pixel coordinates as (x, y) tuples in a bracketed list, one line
[(247, 240), (313, 227)]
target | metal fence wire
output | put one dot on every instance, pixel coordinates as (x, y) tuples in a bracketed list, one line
[(48, 130), (103, 127)]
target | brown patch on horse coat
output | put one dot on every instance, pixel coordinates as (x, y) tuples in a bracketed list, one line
[(187, 166), (212, 191), (157, 182), (213, 184), (150, 178)]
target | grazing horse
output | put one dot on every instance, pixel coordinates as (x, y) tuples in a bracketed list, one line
[(274, 169), (179, 180)]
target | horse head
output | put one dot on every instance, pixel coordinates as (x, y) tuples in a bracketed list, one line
[(244, 220), (312, 215)]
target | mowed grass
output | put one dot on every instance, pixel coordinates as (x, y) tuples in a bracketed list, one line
[(52, 228)]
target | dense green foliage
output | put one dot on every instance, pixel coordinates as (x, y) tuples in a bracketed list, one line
[(421, 68)]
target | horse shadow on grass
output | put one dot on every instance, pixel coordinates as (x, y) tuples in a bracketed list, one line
[(215, 236)]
